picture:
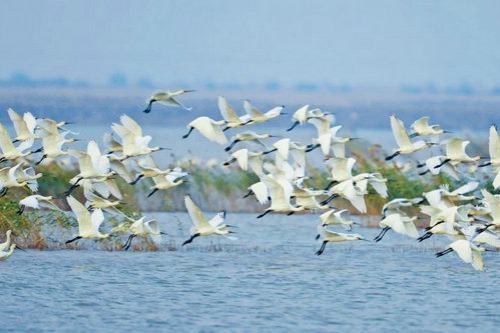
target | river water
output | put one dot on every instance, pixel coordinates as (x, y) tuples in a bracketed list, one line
[(267, 280)]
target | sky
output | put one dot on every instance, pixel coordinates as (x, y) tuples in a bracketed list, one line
[(359, 43)]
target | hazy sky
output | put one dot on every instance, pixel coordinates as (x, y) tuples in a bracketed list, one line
[(370, 42)]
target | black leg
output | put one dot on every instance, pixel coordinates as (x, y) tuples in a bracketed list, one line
[(187, 134), (264, 214), (74, 239), (293, 126), (322, 248), (390, 157), (152, 192), (148, 109), (190, 239)]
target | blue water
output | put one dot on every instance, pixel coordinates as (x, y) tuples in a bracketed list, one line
[(268, 280)]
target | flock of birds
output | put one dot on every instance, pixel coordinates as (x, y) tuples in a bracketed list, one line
[(468, 215)]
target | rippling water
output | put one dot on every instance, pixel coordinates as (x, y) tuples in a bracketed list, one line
[(268, 280)]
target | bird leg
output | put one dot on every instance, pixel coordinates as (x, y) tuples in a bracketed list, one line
[(73, 186), (381, 235), (312, 147), (148, 109), (390, 157), (322, 248), (293, 126), (152, 192), (263, 214), (127, 244), (190, 239), (228, 148), (44, 156), (137, 179), (428, 234), (187, 134), (74, 239), (229, 162), (442, 253), (446, 160)]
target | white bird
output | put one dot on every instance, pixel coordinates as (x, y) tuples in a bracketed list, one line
[(455, 152), (93, 165), (96, 202), (165, 182), (493, 147), (24, 126), (230, 117), (436, 164), (52, 145), (209, 128), (303, 114), (37, 201), (133, 142), (421, 127), (340, 169), (256, 116), (395, 205), (11, 152), (113, 145), (88, 223), (167, 98), (444, 198), (401, 224), (494, 152), (260, 191), (247, 158), (306, 197), (280, 191), (47, 126), (403, 140), (5, 245), (5, 255), (11, 177), (249, 136), (467, 251), (443, 221), (144, 228), (149, 169), (201, 225), (349, 191), (331, 236), (336, 217), (492, 203)]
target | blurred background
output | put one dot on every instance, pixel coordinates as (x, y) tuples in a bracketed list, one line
[(90, 61)]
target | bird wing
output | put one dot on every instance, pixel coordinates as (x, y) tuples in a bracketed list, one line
[(463, 249), (218, 219), (261, 192), (420, 125), (399, 132), (227, 111), (209, 129), (131, 125), (82, 215), (6, 142), (197, 217), (19, 124), (251, 110), (241, 156), (96, 217), (30, 201), (470, 186), (494, 143)]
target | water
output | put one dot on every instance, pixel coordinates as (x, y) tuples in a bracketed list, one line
[(268, 280)]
